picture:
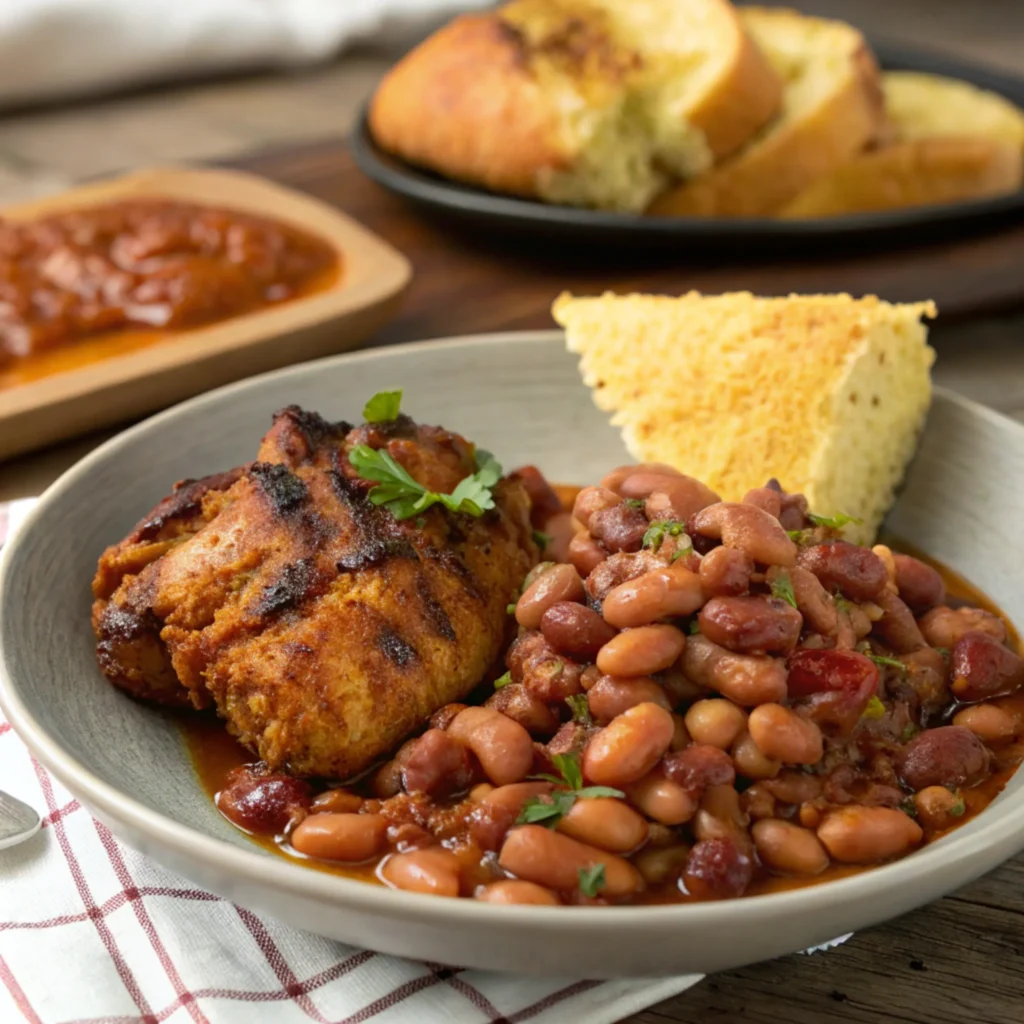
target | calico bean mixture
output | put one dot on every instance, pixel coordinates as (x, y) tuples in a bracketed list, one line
[(700, 695)]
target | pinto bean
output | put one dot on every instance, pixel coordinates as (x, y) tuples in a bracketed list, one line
[(866, 835), (747, 679), (437, 764), (697, 767), (943, 627), (833, 686), (751, 762), (591, 500), (948, 756), (897, 626), (442, 717), (789, 848), (613, 481), (641, 652), (610, 696), (725, 572), (626, 749), (433, 870), (619, 529), (676, 498), (989, 723), (585, 553), (663, 593), (575, 630), (791, 787), (498, 810), (524, 707), (352, 838), (813, 601), (758, 803), (559, 583), (856, 571), (514, 891), (782, 735), (747, 528), (720, 814), (502, 746), (938, 807), (604, 822), (765, 498), (560, 530), (337, 801), (794, 511), (716, 722), (554, 860), (980, 667), (920, 586), (662, 799), (751, 625), (718, 869), (661, 865)]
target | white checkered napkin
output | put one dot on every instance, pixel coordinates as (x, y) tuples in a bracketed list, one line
[(93, 933)]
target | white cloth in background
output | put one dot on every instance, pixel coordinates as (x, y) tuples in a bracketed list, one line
[(52, 49)]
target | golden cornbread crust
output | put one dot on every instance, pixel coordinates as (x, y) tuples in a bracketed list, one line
[(824, 392)]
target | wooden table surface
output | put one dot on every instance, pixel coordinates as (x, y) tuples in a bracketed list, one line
[(960, 959)]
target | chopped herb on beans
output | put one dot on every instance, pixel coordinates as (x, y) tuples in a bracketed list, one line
[(592, 880), (782, 588)]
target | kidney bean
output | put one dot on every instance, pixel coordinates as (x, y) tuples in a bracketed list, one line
[(338, 801), (613, 481), (720, 815), (519, 704), (610, 696), (442, 717), (437, 764), (788, 848), (782, 735), (259, 800), (593, 499), (897, 626), (575, 630), (352, 838), (765, 498), (990, 724), (497, 811), (938, 808), (544, 502), (792, 787), (725, 572), (715, 722), (920, 586), (697, 767), (548, 676), (619, 529), (839, 565), (833, 686), (619, 568), (559, 583), (747, 679), (585, 553), (943, 627), (980, 666), (503, 747), (718, 869), (604, 822), (514, 891), (433, 870), (813, 601), (641, 652), (628, 747), (948, 756), (662, 799), (659, 866), (747, 528), (758, 803), (750, 761), (667, 592), (865, 835), (751, 625), (560, 530), (555, 860)]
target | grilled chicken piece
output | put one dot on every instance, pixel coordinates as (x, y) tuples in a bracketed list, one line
[(323, 629)]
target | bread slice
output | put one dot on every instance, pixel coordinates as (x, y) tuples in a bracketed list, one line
[(824, 392), (919, 172), (831, 109), (586, 102)]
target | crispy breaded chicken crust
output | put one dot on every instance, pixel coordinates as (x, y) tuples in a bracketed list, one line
[(322, 629)]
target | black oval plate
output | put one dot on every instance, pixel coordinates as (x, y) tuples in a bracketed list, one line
[(737, 236)]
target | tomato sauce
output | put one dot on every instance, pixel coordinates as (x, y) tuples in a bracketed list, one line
[(86, 284)]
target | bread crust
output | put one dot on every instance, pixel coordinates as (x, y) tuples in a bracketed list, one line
[(918, 172)]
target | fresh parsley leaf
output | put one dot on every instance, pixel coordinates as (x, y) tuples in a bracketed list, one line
[(875, 709), (510, 608), (404, 497), (383, 407), (782, 587), (657, 532), (637, 503), (568, 766), (836, 522), (944, 651), (881, 659), (541, 539), (909, 807), (503, 680), (580, 709), (909, 732), (592, 879), (797, 536), (546, 810), (694, 627), (596, 792), (683, 549), (959, 808)]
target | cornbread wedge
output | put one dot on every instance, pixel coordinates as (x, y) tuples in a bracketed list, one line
[(586, 102), (831, 110), (824, 392)]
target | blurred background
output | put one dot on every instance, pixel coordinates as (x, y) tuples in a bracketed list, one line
[(89, 87)]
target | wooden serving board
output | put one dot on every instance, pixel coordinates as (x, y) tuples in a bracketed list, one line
[(467, 281)]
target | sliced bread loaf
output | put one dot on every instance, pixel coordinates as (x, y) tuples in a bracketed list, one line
[(824, 392), (831, 109), (586, 102)]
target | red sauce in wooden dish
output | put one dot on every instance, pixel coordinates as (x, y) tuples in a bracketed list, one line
[(98, 281), (215, 754)]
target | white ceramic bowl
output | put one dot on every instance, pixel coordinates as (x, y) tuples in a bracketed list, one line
[(519, 396)]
